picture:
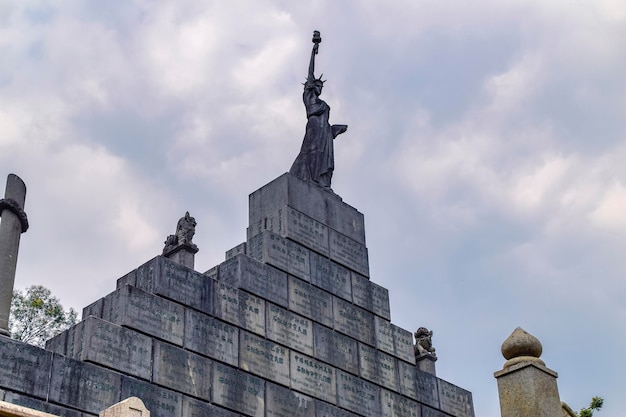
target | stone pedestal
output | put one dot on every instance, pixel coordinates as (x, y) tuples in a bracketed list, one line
[(527, 388), (426, 363), (183, 254)]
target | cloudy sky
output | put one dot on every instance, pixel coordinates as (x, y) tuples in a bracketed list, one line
[(486, 148)]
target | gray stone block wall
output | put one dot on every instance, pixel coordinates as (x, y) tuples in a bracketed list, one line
[(288, 325)]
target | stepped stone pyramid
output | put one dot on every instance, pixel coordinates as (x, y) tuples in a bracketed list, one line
[(289, 325)]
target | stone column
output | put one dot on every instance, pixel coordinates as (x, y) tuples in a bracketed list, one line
[(12, 224), (527, 388)]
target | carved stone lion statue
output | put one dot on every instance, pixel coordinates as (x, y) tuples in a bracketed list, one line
[(423, 342)]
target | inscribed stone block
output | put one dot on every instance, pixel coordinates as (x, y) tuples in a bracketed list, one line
[(427, 391), (335, 348), (354, 321), (265, 281), (58, 343), (310, 301), (388, 371), (309, 199), (161, 402), (313, 377), (181, 370), (290, 329), (384, 335), (94, 309), (368, 363), (395, 405), (213, 273), (128, 279), (431, 412), (349, 253), (331, 276), (83, 385), (327, 410), (238, 390), (297, 226), (370, 296), (407, 380), (240, 249), (358, 395), (281, 402), (286, 255), (403, 344), (115, 347), (156, 316), (240, 308), (455, 400), (211, 337), (40, 405), (197, 408), (264, 358), (171, 280), (25, 368)]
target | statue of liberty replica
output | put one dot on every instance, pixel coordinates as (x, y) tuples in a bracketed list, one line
[(316, 160)]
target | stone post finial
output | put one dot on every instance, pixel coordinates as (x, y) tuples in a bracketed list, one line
[(526, 387), (12, 224)]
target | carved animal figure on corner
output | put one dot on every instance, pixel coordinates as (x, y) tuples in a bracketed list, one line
[(423, 342), (185, 230)]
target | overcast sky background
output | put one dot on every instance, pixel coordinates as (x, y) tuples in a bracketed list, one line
[(486, 148)]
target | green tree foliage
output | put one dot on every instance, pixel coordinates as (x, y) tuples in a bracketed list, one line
[(596, 405), (37, 315)]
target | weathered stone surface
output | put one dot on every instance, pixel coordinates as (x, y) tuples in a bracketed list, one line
[(128, 279), (427, 390), (349, 253), (83, 385), (281, 402), (113, 346), (264, 358), (354, 321), (267, 282), (368, 363), (281, 253), (94, 309), (310, 301), (289, 329), (25, 368), (456, 401), (384, 335), (238, 390), (139, 310), (327, 410), (197, 408), (211, 337), (240, 249), (294, 225), (526, 388), (130, 407), (161, 402), (213, 273), (40, 405), (358, 395), (388, 371), (181, 370), (288, 190), (370, 296), (403, 344), (407, 380), (331, 276), (394, 405), (171, 280), (58, 343), (431, 412), (313, 377), (335, 348), (240, 308)]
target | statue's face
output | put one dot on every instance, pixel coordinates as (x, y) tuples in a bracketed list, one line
[(318, 88)]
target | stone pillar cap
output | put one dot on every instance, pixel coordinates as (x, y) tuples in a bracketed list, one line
[(521, 346)]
